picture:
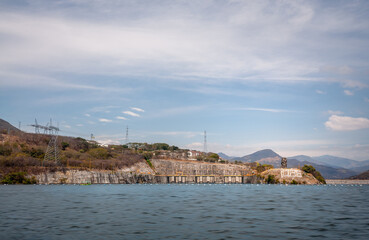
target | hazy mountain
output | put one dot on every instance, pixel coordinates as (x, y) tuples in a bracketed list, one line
[(304, 158), (266, 155), (362, 176), (5, 126), (326, 171), (225, 156), (338, 161), (364, 166)]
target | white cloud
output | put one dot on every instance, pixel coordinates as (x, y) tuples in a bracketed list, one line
[(67, 126), (121, 118), (256, 39), (131, 113), (348, 92), (319, 91), (266, 110), (137, 109), (352, 84), (331, 112), (87, 115), (104, 120), (79, 125), (343, 123)]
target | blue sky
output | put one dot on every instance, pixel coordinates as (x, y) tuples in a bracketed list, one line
[(287, 75)]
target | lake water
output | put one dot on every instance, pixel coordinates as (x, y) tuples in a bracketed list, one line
[(184, 212)]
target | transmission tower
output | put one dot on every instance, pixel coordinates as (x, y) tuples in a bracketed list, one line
[(52, 152), (205, 143), (127, 135)]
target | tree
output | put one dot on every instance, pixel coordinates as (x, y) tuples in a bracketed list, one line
[(64, 145), (314, 172)]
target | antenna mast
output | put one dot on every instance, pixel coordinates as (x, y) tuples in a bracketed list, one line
[(127, 135), (205, 143)]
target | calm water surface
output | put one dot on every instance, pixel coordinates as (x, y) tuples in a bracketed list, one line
[(184, 212)]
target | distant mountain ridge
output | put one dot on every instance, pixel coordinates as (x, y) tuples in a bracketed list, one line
[(266, 155), (330, 167)]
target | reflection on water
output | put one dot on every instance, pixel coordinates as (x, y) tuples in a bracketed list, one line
[(184, 212)]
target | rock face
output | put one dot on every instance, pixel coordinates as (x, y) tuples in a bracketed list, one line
[(164, 171), (286, 175), (175, 171), (183, 167)]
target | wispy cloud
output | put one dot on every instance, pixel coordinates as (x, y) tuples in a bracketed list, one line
[(320, 92), (120, 118), (344, 123), (131, 114), (266, 110), (104, 120), (87, 115), (137, 109), (348, 92), (331, 112)]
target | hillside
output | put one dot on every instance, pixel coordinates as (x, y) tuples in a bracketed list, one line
[(326, 171), (337, 161), (5, 127), (266, 156), (361, 176)]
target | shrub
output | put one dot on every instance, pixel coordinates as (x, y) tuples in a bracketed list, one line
[(271, 179), (264, 167), (294, 182), (5, 150), (64, 145), (18, 178), (100, 153), (314, 172)]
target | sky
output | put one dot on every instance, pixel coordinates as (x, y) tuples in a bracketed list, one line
[(292, 76)]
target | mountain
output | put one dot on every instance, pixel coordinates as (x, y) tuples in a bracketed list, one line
[(364, 166), (304, 158), (327, 172), (263, 156), (338, 161), (362, 176), (225, 156), (5, 127)]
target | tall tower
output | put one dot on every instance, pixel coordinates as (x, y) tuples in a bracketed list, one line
[(127, 135), (205, 143)]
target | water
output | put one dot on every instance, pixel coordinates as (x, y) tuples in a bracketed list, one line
[(184, 212)]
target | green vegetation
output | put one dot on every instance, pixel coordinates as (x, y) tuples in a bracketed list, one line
[(294, 182), (64, 145), (18, 178), (314, 172), (271, 180), (261, 168), (152, 147), (5, 149), (100, 153)]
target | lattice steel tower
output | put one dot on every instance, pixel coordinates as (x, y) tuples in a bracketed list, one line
[(52, 152)]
